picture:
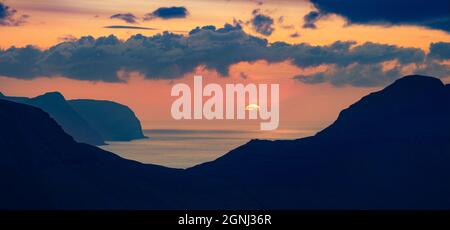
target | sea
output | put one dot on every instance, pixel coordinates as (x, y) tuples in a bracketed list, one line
[(181, 148)]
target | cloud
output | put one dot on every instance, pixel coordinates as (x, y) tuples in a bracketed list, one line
[(367, 65), (170, 56), (168, 13), (370, 75), (294, 35), (440, 50), (310, 19), (434, 14), (362, 75), (243, 75), (8, 16), (130, 27), (127, 17), (20, 62), (67, 38), (259, 3), (281, 21), (261, 23)]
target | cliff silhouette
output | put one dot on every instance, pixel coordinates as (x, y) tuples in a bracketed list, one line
[(115, 122), (88, 121)]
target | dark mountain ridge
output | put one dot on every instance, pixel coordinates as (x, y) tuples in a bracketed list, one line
[(390, 150), (56, 105), (423, 98), (42, 167), (88, 121)]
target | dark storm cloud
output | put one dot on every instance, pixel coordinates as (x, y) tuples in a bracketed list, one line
[(130, 27), (168, 13), (261, 23), (170, 56), (127, 17), (433, 14), (9, 17)]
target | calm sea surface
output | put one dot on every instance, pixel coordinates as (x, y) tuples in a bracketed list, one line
[(186, 148)]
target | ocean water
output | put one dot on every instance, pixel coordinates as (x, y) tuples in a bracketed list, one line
[(186, 148)]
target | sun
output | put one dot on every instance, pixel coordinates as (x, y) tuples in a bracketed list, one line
[(252, 107)]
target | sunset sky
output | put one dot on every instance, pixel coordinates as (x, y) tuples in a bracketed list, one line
[(331, 55)]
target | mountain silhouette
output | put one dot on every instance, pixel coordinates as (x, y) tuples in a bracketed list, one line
[(115, 122), (424, 99), (56, 105), (15, 99), (88, 121), (42, 167), (390, 150)]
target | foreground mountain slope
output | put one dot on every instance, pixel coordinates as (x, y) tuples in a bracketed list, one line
[(42, 167), (115, 122), (390, 150)]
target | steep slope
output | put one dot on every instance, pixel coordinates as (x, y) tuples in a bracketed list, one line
[(390, 150), (414, 107), (88, 121), (74, 124), (115, 122), (44, 168)]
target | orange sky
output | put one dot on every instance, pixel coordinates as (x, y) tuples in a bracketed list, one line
[(308, 107), (302, 106), (50, 19)]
